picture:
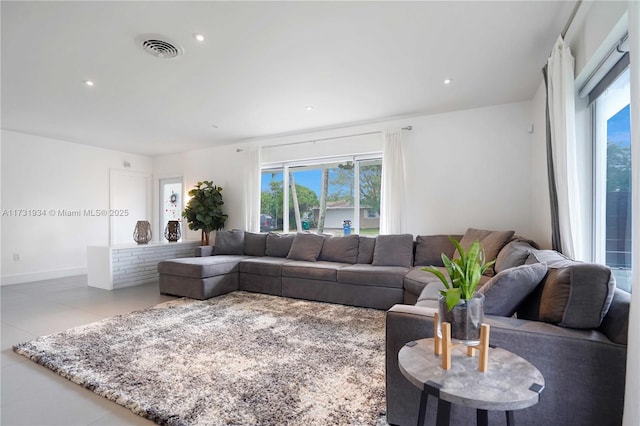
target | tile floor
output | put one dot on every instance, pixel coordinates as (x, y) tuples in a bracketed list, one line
[(33, 395)]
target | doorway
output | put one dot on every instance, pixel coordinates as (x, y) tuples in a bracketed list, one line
[(171, 204)]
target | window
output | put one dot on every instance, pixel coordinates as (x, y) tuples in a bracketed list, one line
[(322, 196), (271, 199), (612, 171)]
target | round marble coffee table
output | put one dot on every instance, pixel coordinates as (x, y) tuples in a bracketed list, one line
[(510, 382)]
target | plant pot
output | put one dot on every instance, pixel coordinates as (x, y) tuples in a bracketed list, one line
[(466, 319)]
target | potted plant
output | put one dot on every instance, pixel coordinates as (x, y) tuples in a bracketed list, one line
[(459, 304), (204, 209)]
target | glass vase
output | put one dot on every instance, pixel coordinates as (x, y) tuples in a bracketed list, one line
[(466, 319)]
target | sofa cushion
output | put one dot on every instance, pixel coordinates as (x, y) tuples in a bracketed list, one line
[(322, 270), (577, 297), (379, 276), (505, 291), (267, 266), (365, 250), (229, 242), (417, 279), (552, 258), (616, 323), (255, 244), (393, 250), (200, 267), (306, 247), (278, 245), (491, 243), (576, 294), (429, 249), (515, 253), (431, 291), (340, 249)]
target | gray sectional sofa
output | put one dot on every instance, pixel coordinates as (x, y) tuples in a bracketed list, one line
[(565, 317)]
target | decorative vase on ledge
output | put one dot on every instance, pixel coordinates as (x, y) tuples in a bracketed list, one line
[(466, 319), (142, 232), (172, 232)]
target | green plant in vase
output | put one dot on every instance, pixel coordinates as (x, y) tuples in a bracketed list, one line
[(460, 305)]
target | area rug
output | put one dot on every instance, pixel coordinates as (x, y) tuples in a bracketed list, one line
[(237, 359)]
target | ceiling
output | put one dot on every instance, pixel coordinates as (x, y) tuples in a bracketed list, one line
[(261, 65)]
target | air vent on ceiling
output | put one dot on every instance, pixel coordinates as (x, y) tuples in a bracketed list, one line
[(159, 46)]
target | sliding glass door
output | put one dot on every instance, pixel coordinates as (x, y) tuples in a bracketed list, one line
[(612, 155), (336, 196)]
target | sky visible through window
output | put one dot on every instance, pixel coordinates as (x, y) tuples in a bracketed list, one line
[(308, 178), (619, 127)]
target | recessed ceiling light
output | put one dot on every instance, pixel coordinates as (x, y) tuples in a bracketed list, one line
[(89, 83), (308, 107), (447, 81), (198, 37)]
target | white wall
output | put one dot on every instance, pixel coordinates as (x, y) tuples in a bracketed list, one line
[(596, 27), (46, 174), (465, 169), (470, 169), (222, 165)]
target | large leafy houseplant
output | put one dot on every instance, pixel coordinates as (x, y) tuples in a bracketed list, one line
[(464, 273), (204, 209)]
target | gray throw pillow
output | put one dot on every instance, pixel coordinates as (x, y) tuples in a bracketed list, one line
[(504, 292), (278, 245), (229, 242), (340, 249), (513, 254), (552, 258), (255, 244), (429, 249), (393, 250), (306, 247), (365, 250), (491, 243), (577, 296)]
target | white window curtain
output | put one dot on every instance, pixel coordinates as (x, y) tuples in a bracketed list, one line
[(632, 386), (561, 102), (252, 189), (392, 204)]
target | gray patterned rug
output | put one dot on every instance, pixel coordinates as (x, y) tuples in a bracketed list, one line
[(238, 359)]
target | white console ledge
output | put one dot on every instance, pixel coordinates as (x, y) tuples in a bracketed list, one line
[(126, 265)]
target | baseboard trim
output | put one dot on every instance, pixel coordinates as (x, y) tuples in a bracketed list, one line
[(39, 276)]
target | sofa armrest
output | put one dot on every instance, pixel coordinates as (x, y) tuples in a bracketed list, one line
[(203, 251), (582, 363)]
